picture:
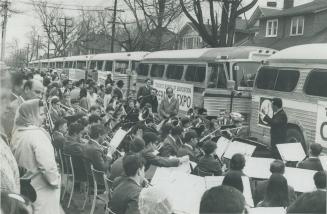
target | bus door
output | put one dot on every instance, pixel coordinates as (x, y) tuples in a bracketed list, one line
[(216, 95), (120, 72)]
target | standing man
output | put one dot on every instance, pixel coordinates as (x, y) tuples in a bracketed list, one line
[(278, 126), (169, 106), (144, 92)]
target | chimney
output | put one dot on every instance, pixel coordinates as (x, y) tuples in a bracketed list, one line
[(271, 4), (288, 4)]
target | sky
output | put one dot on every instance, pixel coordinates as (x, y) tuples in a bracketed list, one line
[(19, 25)]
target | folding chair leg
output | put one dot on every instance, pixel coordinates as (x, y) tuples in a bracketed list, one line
[(71, 192), (86, 194), (94, 199), (65, 188)]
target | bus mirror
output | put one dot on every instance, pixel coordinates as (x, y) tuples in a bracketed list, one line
[(230, 84)]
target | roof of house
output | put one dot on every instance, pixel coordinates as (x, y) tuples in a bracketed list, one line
[(281, 43), (312, 7), (260, 12)]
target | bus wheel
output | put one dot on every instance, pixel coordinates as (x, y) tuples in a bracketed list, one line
[(294, 135)]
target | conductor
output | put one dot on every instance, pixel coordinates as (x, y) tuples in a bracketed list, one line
[(278, 126)]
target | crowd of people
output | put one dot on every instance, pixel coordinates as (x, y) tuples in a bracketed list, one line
[(40, 119)]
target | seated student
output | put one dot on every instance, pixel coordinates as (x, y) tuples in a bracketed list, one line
[(276, 167), (222, 199), (313, 162), (309, 202), (95, 109), (151, 139), (73, 145), (94, 120), (237, 163), (234, 179), (125, 196), (276, 194), (208, 163), (94, 152), (137, 145), (59, 132), (320, 180), (190, 147), (154, 201), (55, 110), (172, 142)]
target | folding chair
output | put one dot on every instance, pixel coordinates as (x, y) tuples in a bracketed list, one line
[(69, 172)]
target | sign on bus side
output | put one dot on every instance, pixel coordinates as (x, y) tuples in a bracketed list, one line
[(183, 92), (321, 126)]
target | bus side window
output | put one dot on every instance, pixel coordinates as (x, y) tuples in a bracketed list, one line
[(316, 84), (99, 65), (157, 70), (142, 69), (108, 66)]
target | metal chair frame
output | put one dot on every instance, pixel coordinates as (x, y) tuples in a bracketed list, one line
[(68, 162)]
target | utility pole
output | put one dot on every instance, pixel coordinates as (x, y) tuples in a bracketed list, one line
[(37, 47), (48, 54), (113, 27), (64, 39), (5, 8), (27, 54)]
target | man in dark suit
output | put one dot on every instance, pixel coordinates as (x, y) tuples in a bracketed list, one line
[(190, 147), (73, 145), (313, 162), (94, 152), (278, 167), (126, 193), (144, 92), (58, 136), (172, 142), (208, 164), (169, 106), (278, 126)]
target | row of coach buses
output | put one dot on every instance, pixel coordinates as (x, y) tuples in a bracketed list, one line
[(232, 78)]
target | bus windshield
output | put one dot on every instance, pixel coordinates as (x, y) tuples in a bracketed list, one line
[(244, 74)]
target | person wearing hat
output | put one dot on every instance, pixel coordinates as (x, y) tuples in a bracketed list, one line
[(313, 162), (278, 125)]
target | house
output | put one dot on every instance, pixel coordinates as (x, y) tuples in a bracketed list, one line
[(302, 24), (189, 37)]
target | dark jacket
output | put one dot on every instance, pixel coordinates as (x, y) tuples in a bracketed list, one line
[(209, 164), (278, 127), (155, 160), (73, 147), (143, 93), (170, 146), (58, 140), (125, 197), (94, 153), (117, 168), (260, 189), (311, 163)]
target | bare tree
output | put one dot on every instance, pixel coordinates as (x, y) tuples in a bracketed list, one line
[(59, 32), (214, 33)]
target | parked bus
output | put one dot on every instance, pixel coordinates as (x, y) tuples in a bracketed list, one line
[(207, 75), (297, 75), (120, 65)]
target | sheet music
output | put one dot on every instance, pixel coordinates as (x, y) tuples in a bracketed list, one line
[(267, 210), (300, 179), (212, 181), (238, 147), (116, 140), (291, 151), (222, 144), (258, 167), (323, 160)]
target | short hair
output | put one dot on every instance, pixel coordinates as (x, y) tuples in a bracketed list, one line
[(131, 163), (277, 166), (65, 82), (97, 130), (120, 83), (189, 135), (94, 108), (147, 79), (237, 162), (46, 81), (176, 130), (320, 179), (137, 145), (59, 123), (309, 202), (277, 102), (28, 85), (276, 193), (233, 179), (315, 149), (222, 199), (150, 137), (75, 128), (93, 118), (169, 88), (209, 147)]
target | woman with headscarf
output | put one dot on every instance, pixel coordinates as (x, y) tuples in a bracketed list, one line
[(33, 151)]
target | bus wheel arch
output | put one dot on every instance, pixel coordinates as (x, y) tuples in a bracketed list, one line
[(294, 134)]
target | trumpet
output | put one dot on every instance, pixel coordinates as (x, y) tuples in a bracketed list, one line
[(69, 109)]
